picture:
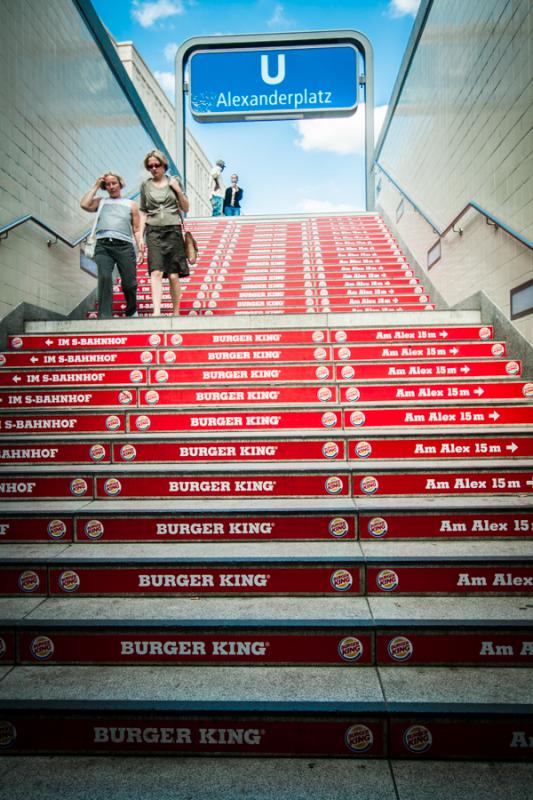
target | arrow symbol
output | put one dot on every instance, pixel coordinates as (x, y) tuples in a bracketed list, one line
[(34, 359), (494, 416), (443, 334), (529, 483), (454, 351), (48, 342), (16, 378), (465, 369), (512, 447), (479, 391)]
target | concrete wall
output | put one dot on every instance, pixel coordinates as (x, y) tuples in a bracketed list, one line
[(65, 119), (163, 115), (460, 128)]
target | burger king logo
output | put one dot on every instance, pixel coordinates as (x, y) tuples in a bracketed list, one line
[(338, 527), (329, 419), (317, 336), (358, 738), (527, 389), (97, 452), (8, 733), (78, 487), (387, 580), (69, 581), (152, 397), (320, 354), (484, 333), (324, 394), (125, 397), (423, 298), (347, 372), (352, 394), (161, 376), (322, 373), (169, 356), (408, 272), (363, 449), (142, 423), (344, 353), (28, 581), (3, 647), (154, 339), (377, 527), (400, 648), (357, 418), (112, 423), (41, 648), (341, 336), (341, 580), (350, 648), (330, 450), (147, 357), (417, 290), (176, 339), (16, 342), (512, 368), (93, 529), (136, 376), (417, 739), (128, 452), (369, 484), (497, 349), (333, 485), (56, 529), (112, 487)]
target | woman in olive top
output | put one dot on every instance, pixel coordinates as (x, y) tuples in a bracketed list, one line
[(161, 200)]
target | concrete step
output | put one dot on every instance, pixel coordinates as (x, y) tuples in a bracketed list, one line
[(270, 568), (346, 632), (394, 712), (269, 519), (89, 778)]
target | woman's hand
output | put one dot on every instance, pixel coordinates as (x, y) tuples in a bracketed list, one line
[(141, 253)]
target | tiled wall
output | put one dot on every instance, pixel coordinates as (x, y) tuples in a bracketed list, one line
[(463, 130), (163, 115), (64, 121)]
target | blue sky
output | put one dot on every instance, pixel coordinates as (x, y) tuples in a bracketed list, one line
[(283, 166)]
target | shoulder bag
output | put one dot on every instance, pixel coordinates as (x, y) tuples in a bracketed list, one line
[(90, 242)]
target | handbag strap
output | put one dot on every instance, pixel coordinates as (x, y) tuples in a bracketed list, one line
[(95, 223)]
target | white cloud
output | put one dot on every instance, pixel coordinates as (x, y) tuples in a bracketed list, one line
[(148, 13), (310, 206), (167, 81), (170, 51), (341, 135), (279, 19), (403, 8)]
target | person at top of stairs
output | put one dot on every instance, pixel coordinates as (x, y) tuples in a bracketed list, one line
[(117, 223), (162, 203)]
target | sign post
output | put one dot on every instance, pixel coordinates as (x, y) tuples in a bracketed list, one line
[(276, 76)]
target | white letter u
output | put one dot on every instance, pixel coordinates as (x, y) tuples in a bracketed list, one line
[(281, 69)]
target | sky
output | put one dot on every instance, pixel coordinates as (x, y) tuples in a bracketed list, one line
[(289, 166)]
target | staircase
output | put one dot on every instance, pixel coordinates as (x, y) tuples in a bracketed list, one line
[(274, 526)]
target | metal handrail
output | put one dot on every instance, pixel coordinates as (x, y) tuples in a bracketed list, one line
[(471, 204), (4, 229)]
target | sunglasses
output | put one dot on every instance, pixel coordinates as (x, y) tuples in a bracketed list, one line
[(154, 166)]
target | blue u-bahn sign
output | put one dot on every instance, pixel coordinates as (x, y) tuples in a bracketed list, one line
[(269, 82)]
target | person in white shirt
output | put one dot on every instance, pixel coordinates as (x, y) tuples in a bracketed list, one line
[(118, 224), (217, 190)]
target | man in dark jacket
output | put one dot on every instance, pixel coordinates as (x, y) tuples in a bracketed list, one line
[(232, 198)]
